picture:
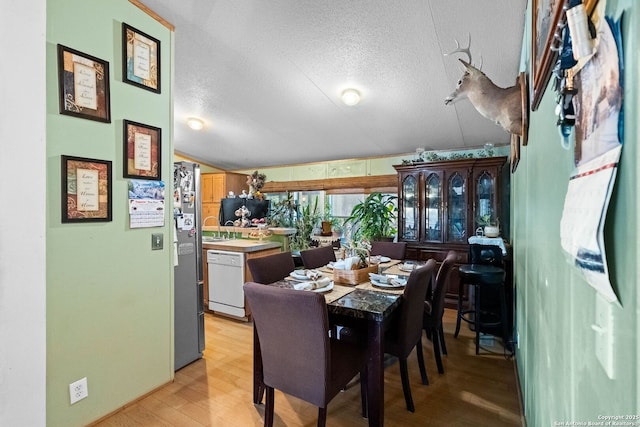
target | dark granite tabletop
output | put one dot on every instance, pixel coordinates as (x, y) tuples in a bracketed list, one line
[(359, 303)]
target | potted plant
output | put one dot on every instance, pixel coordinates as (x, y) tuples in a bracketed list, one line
[(283, 213), (306, 220), (374, 218), (331, 226), (489, 227)]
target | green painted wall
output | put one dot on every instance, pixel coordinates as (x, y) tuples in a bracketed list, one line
[(109, 297), (561, 378)]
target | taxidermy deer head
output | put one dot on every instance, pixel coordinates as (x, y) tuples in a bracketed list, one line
[(501, 105)]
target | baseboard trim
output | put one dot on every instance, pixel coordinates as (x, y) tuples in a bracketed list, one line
[(523, 419), (125, 406)]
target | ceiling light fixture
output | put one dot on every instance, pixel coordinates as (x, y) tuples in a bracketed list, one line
[(350, 97), (195, 123)]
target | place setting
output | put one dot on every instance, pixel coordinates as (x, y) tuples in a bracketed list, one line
[(310, 280), (403, 268), (384, 282)]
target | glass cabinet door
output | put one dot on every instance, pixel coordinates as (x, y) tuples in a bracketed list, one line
[(409, 225), (485, 200), (457, 208), (433, 211)]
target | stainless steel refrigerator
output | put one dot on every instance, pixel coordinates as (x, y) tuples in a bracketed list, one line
[(188, 275)]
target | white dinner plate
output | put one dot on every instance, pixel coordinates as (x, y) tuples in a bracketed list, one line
[(385, 259), (395, 284), (299, 276), (325, 289)]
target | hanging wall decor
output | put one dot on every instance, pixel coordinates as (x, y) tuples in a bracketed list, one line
[(548, 16), (142, 151), (141, 59), (598, 147), (86, 189), (83, 85)]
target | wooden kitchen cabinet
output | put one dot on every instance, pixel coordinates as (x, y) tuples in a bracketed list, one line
[(215, 187), (439, 204)]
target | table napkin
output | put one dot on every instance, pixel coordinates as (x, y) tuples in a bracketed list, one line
[(380, 278), (345, 264), (308, 274), (313, 284)]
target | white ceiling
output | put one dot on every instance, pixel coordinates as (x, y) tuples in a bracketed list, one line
[(266, 76)]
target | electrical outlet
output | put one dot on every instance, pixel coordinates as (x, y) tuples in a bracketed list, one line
[(78, 390)]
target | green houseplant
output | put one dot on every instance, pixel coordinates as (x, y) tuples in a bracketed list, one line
[(374, 218), (307, 219), (284, 213)]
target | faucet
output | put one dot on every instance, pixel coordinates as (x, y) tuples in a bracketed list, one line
[(225, 224), (204, 223)]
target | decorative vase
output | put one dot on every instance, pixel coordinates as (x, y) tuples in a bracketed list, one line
[(491, 230)]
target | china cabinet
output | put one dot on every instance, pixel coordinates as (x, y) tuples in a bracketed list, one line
[(441, 204)]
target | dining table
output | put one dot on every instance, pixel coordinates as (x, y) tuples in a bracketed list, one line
[(361, 306)]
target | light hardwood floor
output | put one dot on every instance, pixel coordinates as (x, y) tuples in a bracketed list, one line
[(217, 390)]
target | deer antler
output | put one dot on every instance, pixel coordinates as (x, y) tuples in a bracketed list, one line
[(459, 49)]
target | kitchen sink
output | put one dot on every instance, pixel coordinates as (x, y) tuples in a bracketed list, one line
[(213, 239)]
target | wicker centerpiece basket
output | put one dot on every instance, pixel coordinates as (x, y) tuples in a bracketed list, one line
[(356, 275)]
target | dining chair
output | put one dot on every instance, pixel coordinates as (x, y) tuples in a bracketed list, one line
[(298, 357), (318, 257), (434, 310), (393, 250), (271, 268), (405, 332)]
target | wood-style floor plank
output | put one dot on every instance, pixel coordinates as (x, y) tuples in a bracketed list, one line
[(475, 390)]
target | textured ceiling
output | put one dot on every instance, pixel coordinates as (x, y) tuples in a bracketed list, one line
[(266, 76)]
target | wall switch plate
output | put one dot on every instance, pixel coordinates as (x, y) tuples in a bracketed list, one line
[(156, 241), (78, 390), (603, 328)]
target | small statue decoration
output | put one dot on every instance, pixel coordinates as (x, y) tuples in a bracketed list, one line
[(255, 181)]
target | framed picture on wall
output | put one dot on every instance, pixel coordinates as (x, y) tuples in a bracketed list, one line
[(142, 151), (83, 82), (86, 189), (141, 59), (545, 41)]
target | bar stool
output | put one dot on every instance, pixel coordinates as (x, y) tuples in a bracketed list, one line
[(485, 272)]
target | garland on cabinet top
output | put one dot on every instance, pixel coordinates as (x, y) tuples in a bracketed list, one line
[(433, 156)]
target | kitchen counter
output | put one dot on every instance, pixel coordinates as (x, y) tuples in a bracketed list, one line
[(241, 245), (244, 231)]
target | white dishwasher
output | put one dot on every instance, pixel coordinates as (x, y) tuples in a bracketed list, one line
[(226, 277)]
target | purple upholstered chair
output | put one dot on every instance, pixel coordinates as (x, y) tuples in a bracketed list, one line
[(405, 332), (394, 250), (434, 310), (298, 357), (271, 268), (317, 257)]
